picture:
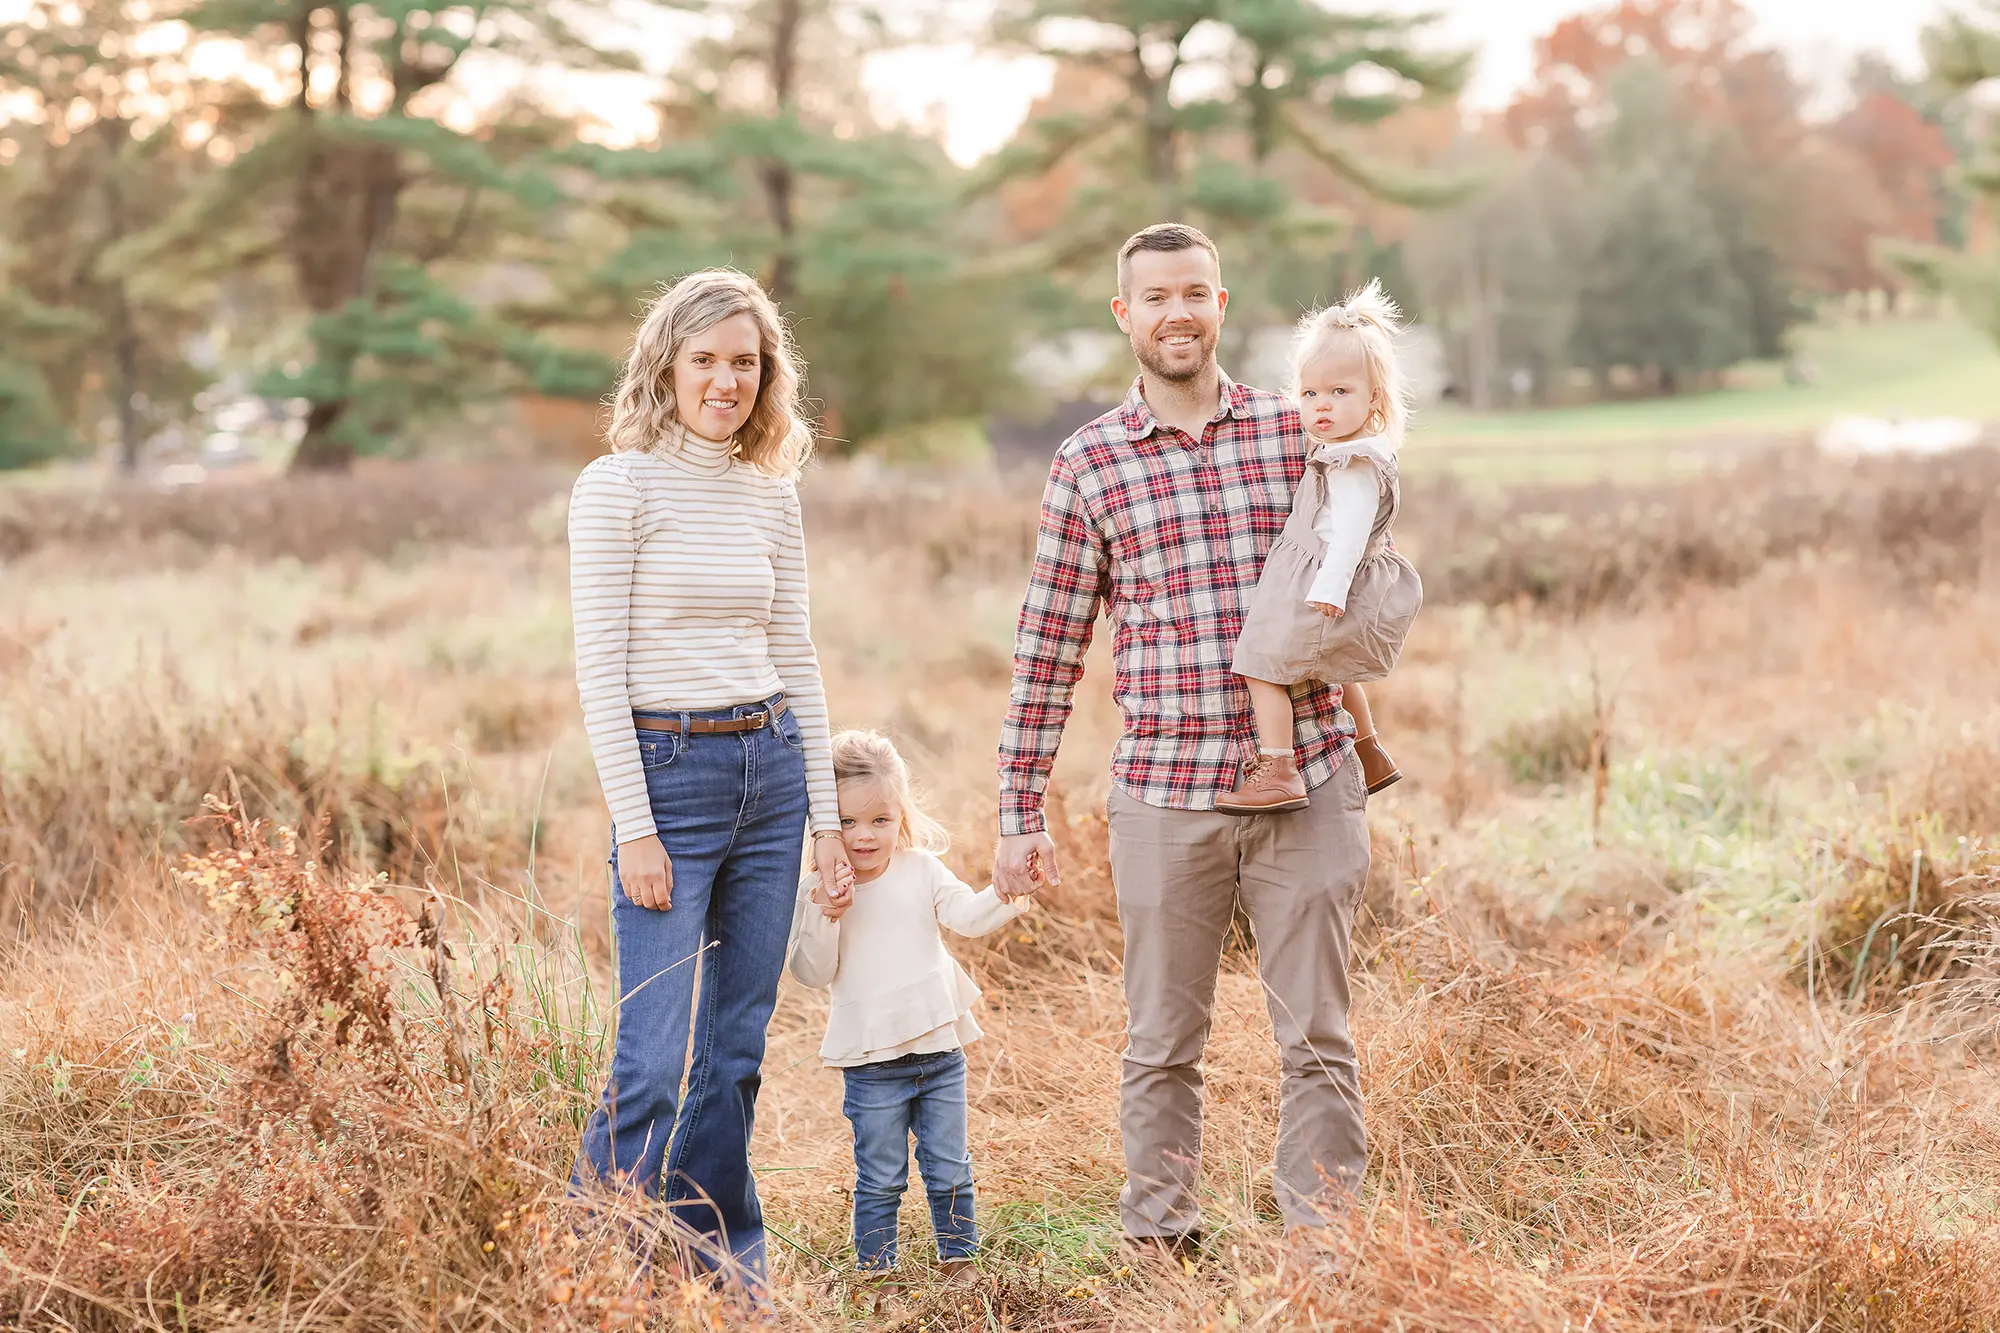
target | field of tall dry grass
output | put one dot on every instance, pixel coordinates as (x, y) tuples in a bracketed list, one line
[(1681, 958)]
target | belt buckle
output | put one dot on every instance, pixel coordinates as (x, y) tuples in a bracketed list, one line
[(758, 721)]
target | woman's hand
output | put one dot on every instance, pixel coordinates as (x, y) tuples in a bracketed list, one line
[(836, 877), (1330, 612), (645, 873)]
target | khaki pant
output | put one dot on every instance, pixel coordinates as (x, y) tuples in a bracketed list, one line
[(1178, 875)]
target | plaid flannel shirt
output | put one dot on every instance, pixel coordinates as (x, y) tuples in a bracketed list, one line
[(1169, 534)]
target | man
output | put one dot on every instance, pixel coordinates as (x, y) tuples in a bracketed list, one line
[(1162, 510)]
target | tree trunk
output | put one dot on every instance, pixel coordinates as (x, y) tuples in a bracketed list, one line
[(125, 350), (344, 208), (1157, 127), (776, 172), (1162, 168), (321, 450), (1481, 337), (124, 338)]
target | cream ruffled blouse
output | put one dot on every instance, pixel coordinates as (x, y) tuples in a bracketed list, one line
[(1347, 519), (896, 991)]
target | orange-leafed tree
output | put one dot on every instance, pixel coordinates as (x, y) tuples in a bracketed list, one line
[(1906, 156), (1747, 131), (1702, 44)]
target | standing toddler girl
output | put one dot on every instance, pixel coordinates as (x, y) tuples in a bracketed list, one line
[(1335, 599), (902, 1006)]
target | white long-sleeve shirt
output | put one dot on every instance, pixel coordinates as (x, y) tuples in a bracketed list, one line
[(688, 589), (896, 991), (1346, 519)]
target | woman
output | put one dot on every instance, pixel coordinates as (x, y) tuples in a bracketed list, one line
[(702, 698)]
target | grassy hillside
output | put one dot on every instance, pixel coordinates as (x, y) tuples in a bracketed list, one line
[(1905, 368)]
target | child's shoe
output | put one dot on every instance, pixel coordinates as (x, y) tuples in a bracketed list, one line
[(1378, 770), (1177, 1253), (1270, 783), (883, 1287)]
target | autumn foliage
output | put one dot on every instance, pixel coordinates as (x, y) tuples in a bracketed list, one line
[(1876, 170)]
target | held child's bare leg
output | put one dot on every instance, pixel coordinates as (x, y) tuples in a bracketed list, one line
[(1378, 770), (1271, 705), (1355, 700), (1271, 781)]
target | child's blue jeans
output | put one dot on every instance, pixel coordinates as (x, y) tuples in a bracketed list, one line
[(886, 1103)]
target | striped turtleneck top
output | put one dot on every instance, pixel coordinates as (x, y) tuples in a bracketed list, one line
[(688, 589)]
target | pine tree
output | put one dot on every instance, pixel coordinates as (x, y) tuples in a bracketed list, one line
[(31, 428), (106, 165), (770, 160), (377, 212), (1963, 53), (1219, 98)]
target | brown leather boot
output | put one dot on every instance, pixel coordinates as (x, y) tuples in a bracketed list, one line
[(1378, 770), (1270, 783)]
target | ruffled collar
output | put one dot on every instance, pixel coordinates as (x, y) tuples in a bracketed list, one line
[(1339, 453)]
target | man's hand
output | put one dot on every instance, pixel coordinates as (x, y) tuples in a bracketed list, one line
[(1330, 612), (835, 893), (645, 873), (1024, 862)]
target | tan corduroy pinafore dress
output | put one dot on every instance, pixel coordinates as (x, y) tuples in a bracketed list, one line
[(1284, 640)]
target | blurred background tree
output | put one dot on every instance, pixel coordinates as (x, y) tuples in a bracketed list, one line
[(31, 425), (771, 158), (103, 170), (387, 220), (1253, 118), (384, 221), (1964, 57)]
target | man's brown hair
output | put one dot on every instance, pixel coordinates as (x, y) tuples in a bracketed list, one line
[(1165, 237)]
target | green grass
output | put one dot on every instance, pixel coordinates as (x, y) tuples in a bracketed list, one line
[(1903, 367)]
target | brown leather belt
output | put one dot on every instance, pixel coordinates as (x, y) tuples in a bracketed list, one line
[(710, 726)]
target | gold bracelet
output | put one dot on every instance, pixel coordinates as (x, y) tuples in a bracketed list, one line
[(826, 833)]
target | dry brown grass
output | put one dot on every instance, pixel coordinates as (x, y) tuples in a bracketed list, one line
[(379, 509), (1569, 548), (1576, 548), (104, 792), (276, 1092)]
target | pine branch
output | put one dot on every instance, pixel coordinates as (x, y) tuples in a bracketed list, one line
[(1412, 187)]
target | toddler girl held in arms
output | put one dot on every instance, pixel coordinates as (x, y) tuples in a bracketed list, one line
[(902, 1006), (1335, 599)]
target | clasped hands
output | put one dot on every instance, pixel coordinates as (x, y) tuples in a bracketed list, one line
[(830, 861)]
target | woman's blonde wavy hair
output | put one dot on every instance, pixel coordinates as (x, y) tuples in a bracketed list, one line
[(869, 756), (776, 438), (1372, 320)]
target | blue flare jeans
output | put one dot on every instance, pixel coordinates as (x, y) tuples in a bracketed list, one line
[(731, 810)]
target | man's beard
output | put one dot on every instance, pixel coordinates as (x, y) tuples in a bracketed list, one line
[(1152, 358)]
